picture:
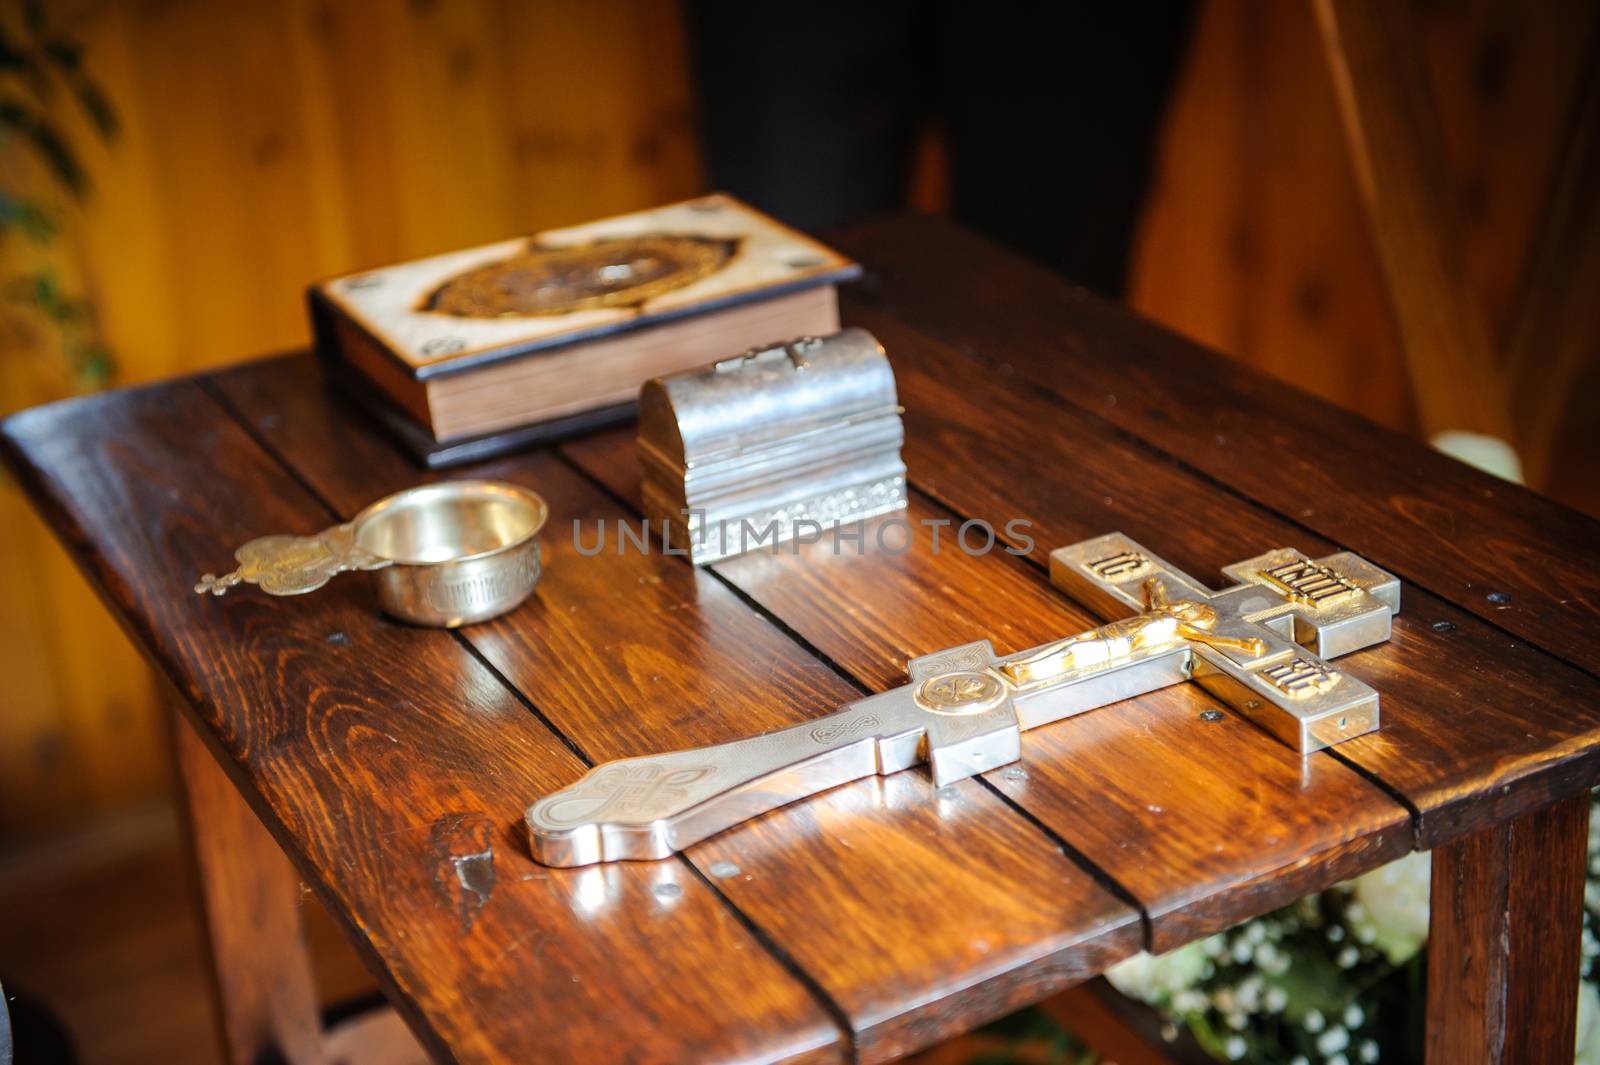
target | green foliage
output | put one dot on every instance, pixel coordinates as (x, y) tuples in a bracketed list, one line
[(1032, 1037), (39, 63)]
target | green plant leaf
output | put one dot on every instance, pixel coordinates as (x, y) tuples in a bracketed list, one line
[(92, 365), (12, 56), (68, 55), (59, 158), (95, 104), (26, 216), (23, 64), (63, 165)]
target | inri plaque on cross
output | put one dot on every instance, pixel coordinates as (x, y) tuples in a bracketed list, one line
[(1261, 646)]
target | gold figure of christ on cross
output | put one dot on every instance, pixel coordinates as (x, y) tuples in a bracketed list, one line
[(1261, 645)]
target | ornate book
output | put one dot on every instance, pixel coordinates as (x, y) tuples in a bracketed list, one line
[(478, 347)]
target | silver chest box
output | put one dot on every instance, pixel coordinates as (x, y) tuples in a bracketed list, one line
[(780, 443)]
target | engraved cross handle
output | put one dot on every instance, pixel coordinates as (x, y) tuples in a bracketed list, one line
[(1260, 646)]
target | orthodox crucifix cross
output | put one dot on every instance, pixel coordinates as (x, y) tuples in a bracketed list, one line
[(1261, 646)]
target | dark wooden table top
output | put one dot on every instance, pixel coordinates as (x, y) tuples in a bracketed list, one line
[(394, 763)]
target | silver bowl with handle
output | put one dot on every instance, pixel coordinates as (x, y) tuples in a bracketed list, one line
[(443, 554)]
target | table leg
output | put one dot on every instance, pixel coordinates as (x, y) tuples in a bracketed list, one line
[(1504, 942), (250, 898)]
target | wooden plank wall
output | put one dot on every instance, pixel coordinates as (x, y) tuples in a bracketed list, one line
[(1255, 240), (268, 144)]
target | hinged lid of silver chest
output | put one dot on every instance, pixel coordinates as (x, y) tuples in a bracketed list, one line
[(739, 453)]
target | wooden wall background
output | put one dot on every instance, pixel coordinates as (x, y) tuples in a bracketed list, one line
[(265, 144), (1255, 240)]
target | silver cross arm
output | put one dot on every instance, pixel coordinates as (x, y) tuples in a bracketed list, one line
[(1295, 612), (965, 708)]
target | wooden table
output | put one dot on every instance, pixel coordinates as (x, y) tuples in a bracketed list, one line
[(392, 764)]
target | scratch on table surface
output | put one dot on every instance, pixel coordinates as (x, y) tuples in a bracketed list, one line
[(534, 938), (463, 872)]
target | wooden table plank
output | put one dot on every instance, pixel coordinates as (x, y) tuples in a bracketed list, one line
[(392, 765), (1468, 711), (1436, 522), (919, 915), (1204, 823)]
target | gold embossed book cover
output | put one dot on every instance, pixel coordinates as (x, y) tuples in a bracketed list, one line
[(565, 321)]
